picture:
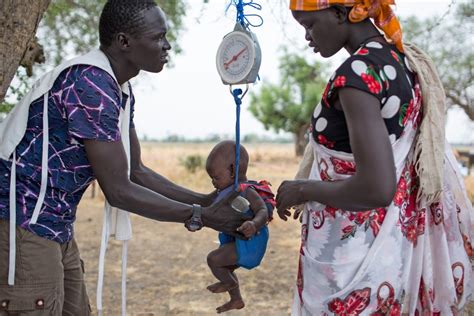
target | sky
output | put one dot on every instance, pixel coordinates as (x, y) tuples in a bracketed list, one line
[(189, 98)]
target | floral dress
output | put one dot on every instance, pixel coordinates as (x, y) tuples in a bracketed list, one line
[(408, 258)]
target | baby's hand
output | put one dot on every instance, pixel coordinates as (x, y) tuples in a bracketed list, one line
[(248, 229)]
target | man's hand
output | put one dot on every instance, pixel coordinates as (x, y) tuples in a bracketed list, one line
[(222, 217), (248, 229)]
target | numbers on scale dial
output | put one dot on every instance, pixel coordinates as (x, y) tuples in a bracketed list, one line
[(236, 57)]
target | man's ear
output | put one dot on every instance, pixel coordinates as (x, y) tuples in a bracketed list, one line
[(341, 13), (122, 41)]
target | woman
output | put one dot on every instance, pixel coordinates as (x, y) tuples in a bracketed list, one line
[(386, 224)]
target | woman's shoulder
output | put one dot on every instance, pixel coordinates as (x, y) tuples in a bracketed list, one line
[(375, 56), (373, 68)]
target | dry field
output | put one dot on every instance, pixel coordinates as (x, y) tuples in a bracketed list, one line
[(167, 270)]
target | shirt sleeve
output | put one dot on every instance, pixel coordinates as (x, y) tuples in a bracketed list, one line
[(92, 105), (358, 72)]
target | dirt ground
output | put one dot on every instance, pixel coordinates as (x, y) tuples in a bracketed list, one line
[(167, 270)]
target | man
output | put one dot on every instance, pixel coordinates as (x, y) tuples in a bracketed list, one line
[(89, 124)]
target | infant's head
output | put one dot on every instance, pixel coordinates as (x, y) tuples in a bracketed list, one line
[(220, 164)]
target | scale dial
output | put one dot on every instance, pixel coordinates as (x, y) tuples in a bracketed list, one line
[(236, 57)]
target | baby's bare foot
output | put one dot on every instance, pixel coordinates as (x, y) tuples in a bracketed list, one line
[(220, 287), (232, 304)]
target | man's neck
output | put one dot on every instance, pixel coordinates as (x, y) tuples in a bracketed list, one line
[(122, 68)]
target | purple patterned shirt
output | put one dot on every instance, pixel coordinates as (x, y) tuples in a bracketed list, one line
[(84, 103)]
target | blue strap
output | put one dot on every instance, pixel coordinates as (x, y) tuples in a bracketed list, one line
[(238, 101), (243, 18)]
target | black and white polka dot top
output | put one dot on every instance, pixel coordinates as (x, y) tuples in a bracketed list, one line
[(378, 69)]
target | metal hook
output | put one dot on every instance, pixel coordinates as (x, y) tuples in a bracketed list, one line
[(243, 94)]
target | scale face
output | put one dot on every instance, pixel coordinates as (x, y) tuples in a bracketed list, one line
[(238, 57)]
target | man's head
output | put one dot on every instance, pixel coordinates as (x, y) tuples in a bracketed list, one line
[(138, 30), (220, 164)]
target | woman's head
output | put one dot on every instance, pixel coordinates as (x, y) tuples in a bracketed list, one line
[(327, 23), (326, 30), (220, 164)]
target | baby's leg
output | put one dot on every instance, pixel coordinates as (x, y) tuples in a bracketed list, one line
[(220, 261), (236, 301), (223, 262)]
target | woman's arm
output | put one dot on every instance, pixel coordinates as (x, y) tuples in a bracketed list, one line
[(374, 183), (145, 177)]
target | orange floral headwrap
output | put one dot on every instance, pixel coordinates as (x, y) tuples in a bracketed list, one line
[(379, 10)]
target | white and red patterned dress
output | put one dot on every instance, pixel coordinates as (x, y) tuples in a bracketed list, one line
[(408, 258)]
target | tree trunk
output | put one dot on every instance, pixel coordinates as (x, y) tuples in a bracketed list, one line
[(18, 23), (301, 140)]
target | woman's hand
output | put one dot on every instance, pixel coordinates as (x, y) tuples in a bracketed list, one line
[(248, 229), (298, 210), (289, 194)]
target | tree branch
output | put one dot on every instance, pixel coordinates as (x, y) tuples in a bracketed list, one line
[(466, 106)]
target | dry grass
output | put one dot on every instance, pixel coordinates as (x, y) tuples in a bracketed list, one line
[(167, 270)]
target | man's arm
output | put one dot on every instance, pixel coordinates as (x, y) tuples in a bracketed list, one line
[(109, 163), (144, 176)]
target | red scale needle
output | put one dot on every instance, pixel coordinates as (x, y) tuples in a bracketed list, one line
[(234, 58)]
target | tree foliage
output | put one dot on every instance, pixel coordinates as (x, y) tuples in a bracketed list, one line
[(448, 41), (287, 106)]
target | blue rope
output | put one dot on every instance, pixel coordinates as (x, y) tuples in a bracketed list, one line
[(242, 18), (238, 101)]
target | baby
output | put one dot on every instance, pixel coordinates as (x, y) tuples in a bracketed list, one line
[(234, 252)]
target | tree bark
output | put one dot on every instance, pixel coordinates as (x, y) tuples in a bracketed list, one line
[(19, 21), (301, 140)]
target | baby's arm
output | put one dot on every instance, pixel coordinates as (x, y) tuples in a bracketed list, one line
[(257, 205)]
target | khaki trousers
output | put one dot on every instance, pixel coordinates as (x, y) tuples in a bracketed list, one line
[(49, 277)]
